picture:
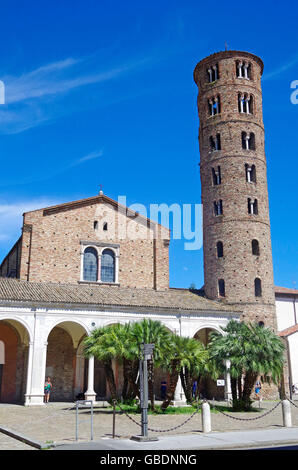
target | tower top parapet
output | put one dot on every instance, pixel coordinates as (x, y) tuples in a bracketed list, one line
[(227, 55)]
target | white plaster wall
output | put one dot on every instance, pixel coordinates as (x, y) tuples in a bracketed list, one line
[(293, 346), (285, 313)]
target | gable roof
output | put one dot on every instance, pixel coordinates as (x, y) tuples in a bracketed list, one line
[(98, 296), (101, 198)]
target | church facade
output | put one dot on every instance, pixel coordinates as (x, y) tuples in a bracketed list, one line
[(93, 262)]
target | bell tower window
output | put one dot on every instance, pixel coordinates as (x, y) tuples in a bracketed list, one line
[(216, 177), (252, 206), (214, 106), (250, 173), (255, 248), (248, 141), (258, 287), (219, 248), (212, 73), (221, 288), (245, 103), (217, 207)]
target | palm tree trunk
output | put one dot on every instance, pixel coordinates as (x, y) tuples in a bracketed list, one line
[(239, 383), (172, 385), (132, 372), (249, 382), (125, 386), (234, 388), (110, 378)]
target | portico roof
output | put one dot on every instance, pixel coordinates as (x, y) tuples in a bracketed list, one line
[(16, 291)]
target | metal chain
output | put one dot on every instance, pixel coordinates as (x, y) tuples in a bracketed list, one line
[(294, 404), (175, 427), (251, 419), (160, 430)]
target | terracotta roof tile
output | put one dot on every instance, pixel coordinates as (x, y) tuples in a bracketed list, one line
[(285, 290), (13, 290), (289, 331)]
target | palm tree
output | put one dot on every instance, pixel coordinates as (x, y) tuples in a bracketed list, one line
[(151, 331), (253, 351), (182, 352), (96, 345)]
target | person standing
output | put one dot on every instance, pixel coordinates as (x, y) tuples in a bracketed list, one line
[(47, 389)]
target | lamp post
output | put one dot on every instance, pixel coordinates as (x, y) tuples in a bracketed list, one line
[(146, 353)]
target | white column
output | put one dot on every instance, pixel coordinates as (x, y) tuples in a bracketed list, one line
[(241, 103), (35, 388), (240, 69), (247, 138), (228, 389), (215, 72), (29, 374), (248, 105), (245, 70), (210, 75), (90, 393)]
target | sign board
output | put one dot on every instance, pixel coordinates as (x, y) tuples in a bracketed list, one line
[(220, 383)]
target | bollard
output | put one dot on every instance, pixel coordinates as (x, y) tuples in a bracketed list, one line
[(114, 417), (206, 417), (286, 414)]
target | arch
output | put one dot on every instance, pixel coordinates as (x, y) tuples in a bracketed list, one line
[(14, 345), (63, 360), (20, 325), (207, 386), (66, 324)]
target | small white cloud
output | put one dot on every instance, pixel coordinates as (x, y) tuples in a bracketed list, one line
[(11, 216), (275, 73)]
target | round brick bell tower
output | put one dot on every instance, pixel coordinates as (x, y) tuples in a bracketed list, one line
[(236, 227)]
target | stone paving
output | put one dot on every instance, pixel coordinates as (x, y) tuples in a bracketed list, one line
[(56, 422)]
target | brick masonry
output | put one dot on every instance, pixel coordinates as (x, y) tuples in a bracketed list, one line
[(51, 244), (235, 228)]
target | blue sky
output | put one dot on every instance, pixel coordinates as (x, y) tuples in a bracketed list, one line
[(102, 92)]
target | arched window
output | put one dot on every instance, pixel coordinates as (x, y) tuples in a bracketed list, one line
[(107, 266), (221, 288), (105, 226), (252, 206), (250, 172), (90, 268), (219, 247), (258, 287), (248, 141), (255, 248)]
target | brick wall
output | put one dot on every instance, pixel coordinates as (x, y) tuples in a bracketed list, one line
[(235, 228), (51, 245)]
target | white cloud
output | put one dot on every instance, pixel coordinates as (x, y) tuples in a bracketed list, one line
[(11, 219), (283, 68), (29, 97)]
